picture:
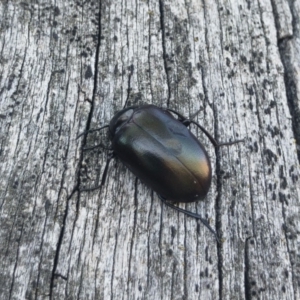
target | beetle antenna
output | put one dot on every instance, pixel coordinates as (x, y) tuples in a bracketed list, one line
[(92, 130), (191, 214)]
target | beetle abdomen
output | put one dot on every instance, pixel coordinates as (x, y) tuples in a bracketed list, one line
[(164, 154)]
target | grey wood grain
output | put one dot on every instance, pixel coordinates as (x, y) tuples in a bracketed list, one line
[(67, 67)]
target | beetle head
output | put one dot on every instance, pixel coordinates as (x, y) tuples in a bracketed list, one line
[(120, 119)]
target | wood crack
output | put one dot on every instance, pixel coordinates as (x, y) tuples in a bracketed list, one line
[(163, 37)]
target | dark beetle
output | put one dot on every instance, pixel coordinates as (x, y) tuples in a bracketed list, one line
[(163, 153)]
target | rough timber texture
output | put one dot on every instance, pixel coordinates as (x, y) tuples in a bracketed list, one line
[(67, 66)]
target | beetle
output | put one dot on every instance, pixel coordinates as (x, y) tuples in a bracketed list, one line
[(163, 153)]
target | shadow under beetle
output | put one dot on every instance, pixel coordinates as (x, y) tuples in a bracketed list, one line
[(163, 153)]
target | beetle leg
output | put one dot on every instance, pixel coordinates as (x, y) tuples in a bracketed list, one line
[(97, 146), (213, 141), (191, 214), (110, 157), (185, 121), (90, 189), (188, 122), (181, 118)]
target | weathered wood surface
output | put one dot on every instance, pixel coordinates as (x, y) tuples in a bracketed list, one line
[(67, 66)]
